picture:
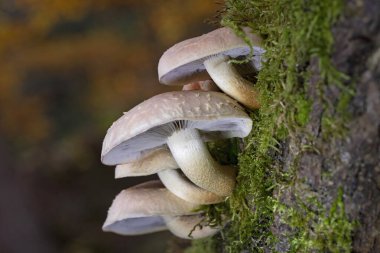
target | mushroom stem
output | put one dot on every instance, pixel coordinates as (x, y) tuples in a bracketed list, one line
[(190, 226), (153, 162), (185, 189), (230, 82), (198, 165)]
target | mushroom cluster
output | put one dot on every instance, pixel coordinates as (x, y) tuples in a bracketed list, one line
[(167, 135)]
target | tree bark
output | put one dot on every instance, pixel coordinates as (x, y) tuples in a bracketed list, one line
[(352, 162)]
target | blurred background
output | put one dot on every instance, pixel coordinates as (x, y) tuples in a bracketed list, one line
[(68, 69)]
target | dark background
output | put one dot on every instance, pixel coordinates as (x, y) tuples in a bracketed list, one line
[(68, 69)]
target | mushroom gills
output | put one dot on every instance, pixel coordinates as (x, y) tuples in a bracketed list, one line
[(137, 226)]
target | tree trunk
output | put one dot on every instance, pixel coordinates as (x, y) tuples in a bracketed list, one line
[(352, 162)]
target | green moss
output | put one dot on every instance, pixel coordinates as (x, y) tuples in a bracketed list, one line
[(333, 125), (295, 32)]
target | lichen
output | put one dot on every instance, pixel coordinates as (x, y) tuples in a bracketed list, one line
[(294, 32)]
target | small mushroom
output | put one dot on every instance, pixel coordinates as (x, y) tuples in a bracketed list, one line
[(190, 226), (139, 209), (187, 61), (182, 120)]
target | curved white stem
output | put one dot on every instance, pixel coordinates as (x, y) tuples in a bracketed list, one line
[(198, 165), (230, 82), (182, 187)]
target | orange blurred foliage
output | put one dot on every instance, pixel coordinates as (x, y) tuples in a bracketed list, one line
[(69, 68)]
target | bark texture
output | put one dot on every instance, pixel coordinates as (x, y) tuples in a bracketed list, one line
[(351, 162)]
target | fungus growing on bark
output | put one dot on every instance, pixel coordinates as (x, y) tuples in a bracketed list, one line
[(187, 61), (181, 120)]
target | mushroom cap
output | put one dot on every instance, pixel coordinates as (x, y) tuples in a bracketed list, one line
[(148, 125), (138, 210), (183, 63)]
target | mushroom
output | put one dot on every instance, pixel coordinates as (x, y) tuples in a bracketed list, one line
[(161, 161), (187, 61), (190, 226), (153, 161), (139, 209), (149, 207), (182, 120)]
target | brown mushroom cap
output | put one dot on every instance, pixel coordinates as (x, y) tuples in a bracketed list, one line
[(154, 161), (148, 125), (183, 63)]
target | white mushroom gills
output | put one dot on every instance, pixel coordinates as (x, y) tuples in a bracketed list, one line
[(227, 78), (197, 164)]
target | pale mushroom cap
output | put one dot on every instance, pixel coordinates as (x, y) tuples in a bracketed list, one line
[(182, 226), (138, 210), (147, 126), (183, 63), (151, 162)]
